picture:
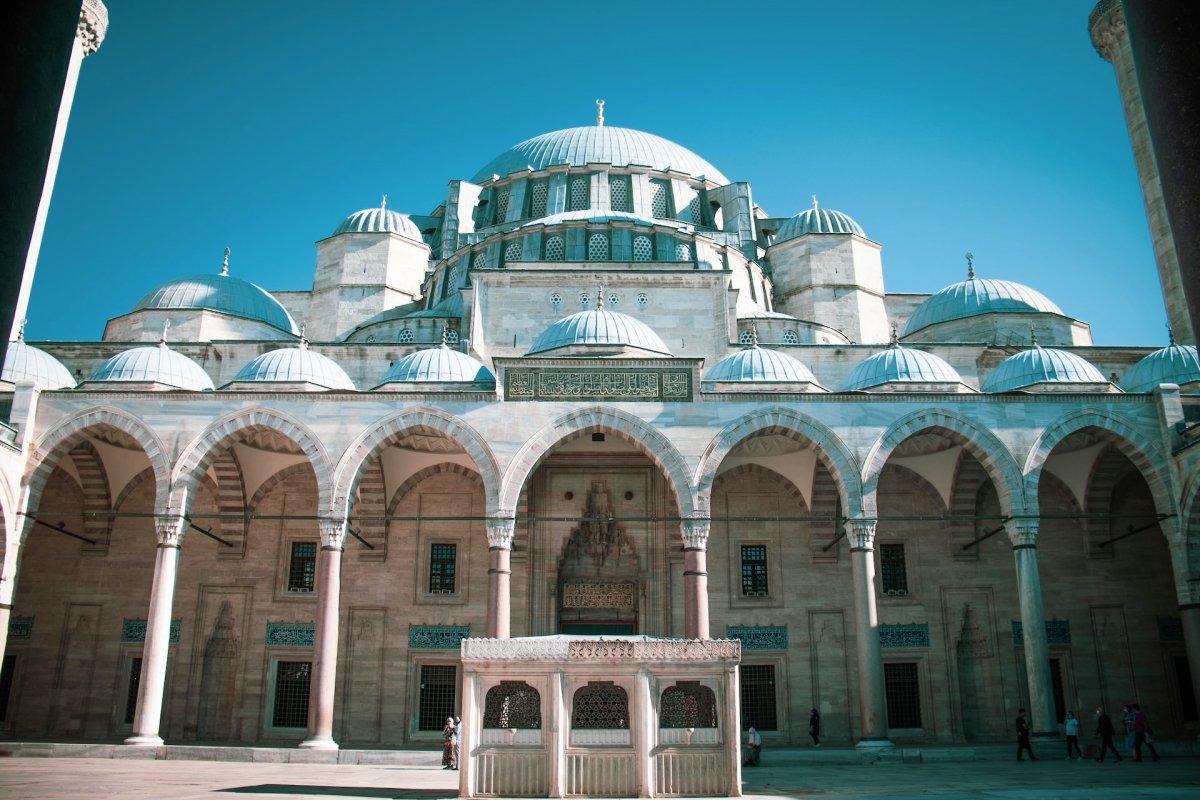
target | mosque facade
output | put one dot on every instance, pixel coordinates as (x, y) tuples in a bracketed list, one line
[(596, 390)]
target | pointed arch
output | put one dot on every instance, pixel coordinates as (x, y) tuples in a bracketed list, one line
[(445, 467), (657, 447), (830, 450), (270, 483)]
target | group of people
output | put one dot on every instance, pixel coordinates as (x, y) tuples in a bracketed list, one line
[(451, 738), (1138, 734)]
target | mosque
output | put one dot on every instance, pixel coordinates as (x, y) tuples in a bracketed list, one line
[(595, 390)]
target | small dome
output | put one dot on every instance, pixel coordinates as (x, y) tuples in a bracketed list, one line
[(1041, 365), (223, 293), (760, 365), (976, 296), (818, 220), (438, 365), (26, 364), (599, 326), (900, 365), (1176, 364), (380, 220), (154, 364), (296, 365)]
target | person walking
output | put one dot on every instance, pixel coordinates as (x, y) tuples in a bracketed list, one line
[(814, 727), (1106, 731), (1142, 734), (1071, 731), (1023, 737), (457, 740), (753, 747), (448, 744), (1127, 718)]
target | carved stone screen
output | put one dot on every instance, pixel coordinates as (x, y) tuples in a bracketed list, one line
[(597, 560), (612, 383), (600, 706), (512, 704), (688, 704)]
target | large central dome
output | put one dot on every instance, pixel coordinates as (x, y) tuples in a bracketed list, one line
[(599, 144)]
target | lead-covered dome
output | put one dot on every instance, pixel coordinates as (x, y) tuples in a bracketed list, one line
[(296, 365), (438, 365), (24, 363), (1041, 365), (153, 364), (380, 220), (760, 365), (901, 365), (1177, 364), (976, 296), (599, 144), (600, 329), (818, 220)]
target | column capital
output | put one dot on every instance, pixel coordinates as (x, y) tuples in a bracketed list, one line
[(695, 532), (1106, 24), (169, 528), (333, 534), (93, 23), (861, 533), (501, 531), (1022, 533)]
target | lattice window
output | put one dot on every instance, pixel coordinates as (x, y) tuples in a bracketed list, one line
[(601, 705), (131, 688), (6, 684), (477, 259), (893, 573), (660, 199), (613, 299), (758, 696), (443, 563), (598, 247), (903, 695), (688, 704), (791, 337), (754, 570), (302, 567), (746, 337), (538, 192), (642, 299), (696, 210), (437, 696), (291, 694), (404, 336), (555, 249), (513, 704), (501, 209), (619, 193), (455, 279), (683, 251), (452, 336), (555, 301), (643, 248), (580, 193), (585, 300), (512, 250)]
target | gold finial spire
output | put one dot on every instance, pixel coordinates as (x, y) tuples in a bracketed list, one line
[(225, 262), (753, 333), (600, 113), (895, 342), (970, 265), (383, 203), (600, 298), (303, 338), (815, 206), (166, 327), (445, 334)]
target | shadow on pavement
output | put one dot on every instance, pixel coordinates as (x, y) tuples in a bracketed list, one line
[(343, 791)]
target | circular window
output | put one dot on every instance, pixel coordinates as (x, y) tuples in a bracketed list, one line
[(642, 299), (585, 300), (405, 335), (556, 300), (614, 299)]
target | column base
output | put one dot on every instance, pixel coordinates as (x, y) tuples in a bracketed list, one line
[(319, 743), (144, 741), (873, 744)]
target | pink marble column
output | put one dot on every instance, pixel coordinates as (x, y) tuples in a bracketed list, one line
[(325, 647), (872, 699), (1043, 720), (695, 578), (733, 731), (500, 532), (148, 716)]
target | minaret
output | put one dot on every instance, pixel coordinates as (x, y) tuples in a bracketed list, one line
[(1111, 40)]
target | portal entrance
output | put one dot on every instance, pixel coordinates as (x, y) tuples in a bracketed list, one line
[(597, 571)]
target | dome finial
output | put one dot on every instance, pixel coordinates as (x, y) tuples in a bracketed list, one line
[(383, 202), (895, 342), (753, 333), (815, 205), (600, 113), (1032, 337), (445, 334), (600, 299), (225, 263), (970, 265), (1170, 334), (303, 339), (21, 331), (166, 327)]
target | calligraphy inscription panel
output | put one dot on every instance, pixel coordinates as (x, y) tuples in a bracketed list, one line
[(596, 384), (598, 595)]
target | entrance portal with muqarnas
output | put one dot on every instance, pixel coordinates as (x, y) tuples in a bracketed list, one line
[(595, 592)]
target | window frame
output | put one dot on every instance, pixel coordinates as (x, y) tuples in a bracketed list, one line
[(919, 694), (907, 590), (290, 555), (273, 659), (429, 572), (779, 727), (763, 571), (414, 694)]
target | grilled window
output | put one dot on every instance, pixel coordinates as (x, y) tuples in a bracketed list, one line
[(746, 337), (598, 247), (580, 191), (687, 704), (791, 337), (404, 336), (538, 191), (683, 251), (758, 696), (754, 570), (660, 199), (501, 208), (893, 575), (512, 704), (512, 250), (643, 248), (620, 196), (601, 705), (477, 259), (437, 696), (131, 690), (291, 694), (696, 211), (555, 249), (302, 569), (903, 695), (443, 560), (6, 684)]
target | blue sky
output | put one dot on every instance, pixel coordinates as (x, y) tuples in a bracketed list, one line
[(940, 126)]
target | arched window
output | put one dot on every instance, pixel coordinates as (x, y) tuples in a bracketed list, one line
[(660, 199), (512, 251), (555, 249), (512, 704), (538, 191), (683, 251), (477, 259), (696, 211), (501, 209), (404, 336), (601, 705), (598, 247), (580, 193), (791, 337), (451, 336), (643, 248), (688, 704), (619, 194)]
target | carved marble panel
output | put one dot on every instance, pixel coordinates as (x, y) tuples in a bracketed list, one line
[(829, 658), (363, 679)]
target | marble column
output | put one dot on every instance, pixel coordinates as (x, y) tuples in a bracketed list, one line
[(325, 647), (8, 580), (871, 697), (169, 528), (695, 578), (733, 731), (471, 729), (1023, 533), (500, 533), (647, 728), (558, 733)]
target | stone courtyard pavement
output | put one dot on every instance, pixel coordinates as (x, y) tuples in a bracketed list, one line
[(45, 778)]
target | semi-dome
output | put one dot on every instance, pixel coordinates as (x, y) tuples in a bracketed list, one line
[(599, 327), (380, 220), (1177, 363), (153, 364), (599, 144), (222, 293), (438, 365), (295, 365), (1039, 365), (899, 364), (760, 365), (24, 363), (976, 296), (818, 220)]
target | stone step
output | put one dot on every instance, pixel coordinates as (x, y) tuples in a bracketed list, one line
[(192, 752)]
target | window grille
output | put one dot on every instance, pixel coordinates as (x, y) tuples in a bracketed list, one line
[(302, 569), (443, 559), (585, 300), (538, 191), (131, 691), (688, 704), (437, 696), (580, 192), (791, 337), (754, 570), (903, 695), (456, 274), (642, 299), (893, 575), (477, 259), (555, 249), (6, 684), (601, 705), (512, 704), (696, 211), (501, 205), (660, 201), (745, 337), (405, 335), (452, 336), (512, 251), (683, 251), (291, 694), (598, 247), (620, 196), (758, 696), (613, 299), (643, 248)]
